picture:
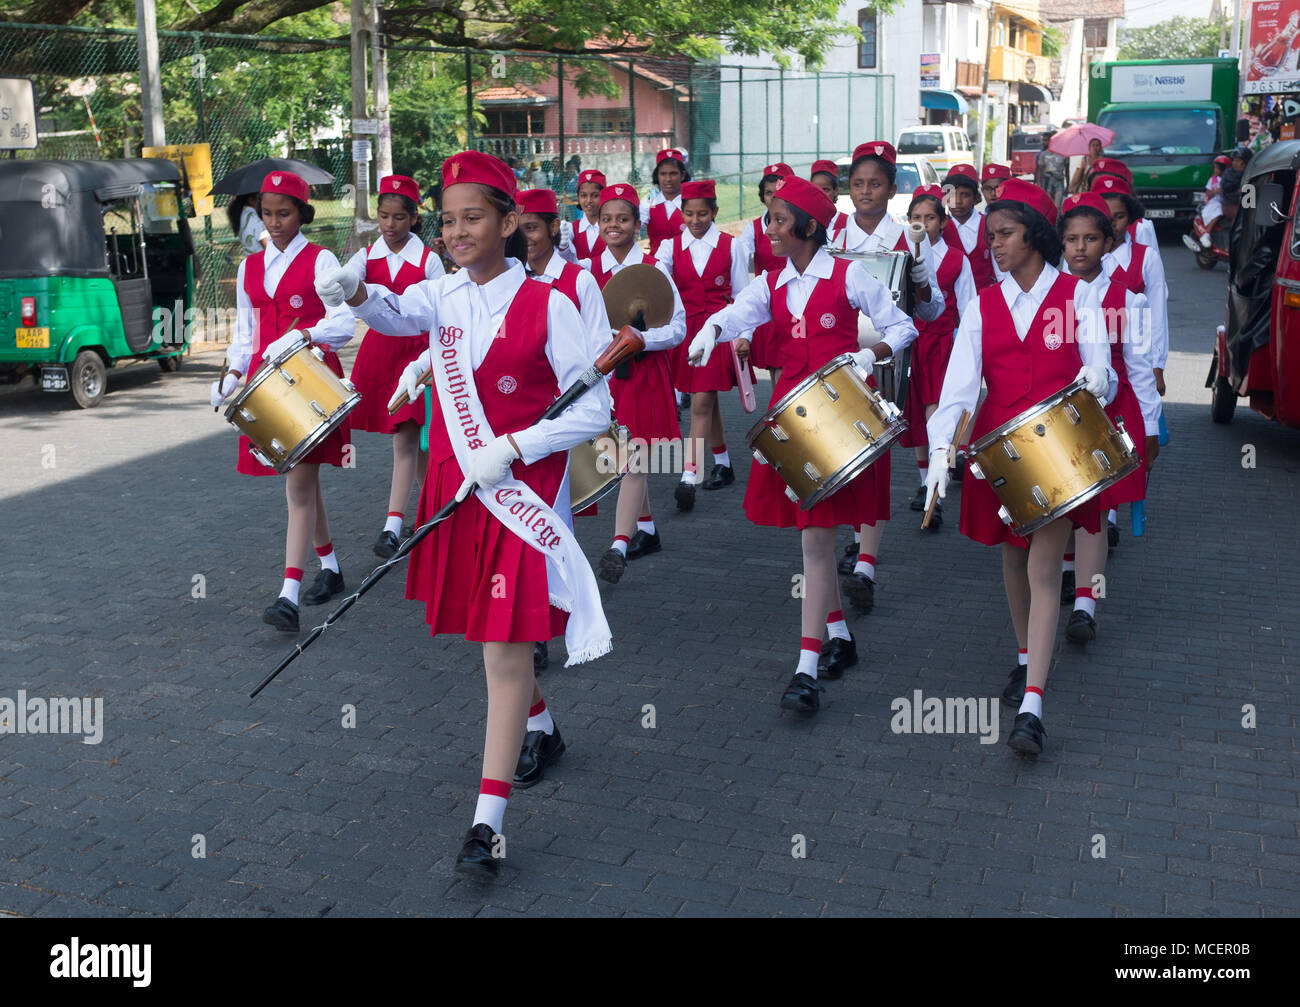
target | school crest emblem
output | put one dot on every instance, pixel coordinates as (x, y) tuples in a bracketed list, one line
[(276, 179), (878, 149), (295, 301), (1052, 339), (506, 384), (828, 321), (718, 281)]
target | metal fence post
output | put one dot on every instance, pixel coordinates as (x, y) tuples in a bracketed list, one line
[(559, 91), (817, 115), (631, 122), (781, 99), (469, 103), (740, 139), (848, 112)]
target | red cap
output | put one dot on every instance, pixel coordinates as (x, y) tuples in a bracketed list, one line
[(664, 155), (620, 191), (1109, 185), (537, 201), (1112, 166), (934, 191), (1088, 199), (475, 166), (702, 189), (1223, 159), (592, 175), (1020, 191), (876, 148), (802, 193), (401, 185), (825, 167), (779, 168), (998, 171), (963, 171), (287, 184)]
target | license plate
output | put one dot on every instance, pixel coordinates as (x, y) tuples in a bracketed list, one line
[(32, 339), (55, 379), (1160, 214)]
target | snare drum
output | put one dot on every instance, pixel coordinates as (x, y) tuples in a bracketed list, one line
[(1052, 458), (290, 406), (893, 269), (596, 466), (825, 431)]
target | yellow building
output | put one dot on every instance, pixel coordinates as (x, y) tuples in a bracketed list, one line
[(1016, 58)]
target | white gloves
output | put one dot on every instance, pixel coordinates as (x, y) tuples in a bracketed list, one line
[(334, 286), (291, 338), (566, 235), (936, 476), (219, 395), (1096, 379), (488, 466), (866, 359), (920, 272), (702, 345), (409, 380)]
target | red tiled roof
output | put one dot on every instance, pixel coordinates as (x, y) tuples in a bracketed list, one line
[(512, 94)]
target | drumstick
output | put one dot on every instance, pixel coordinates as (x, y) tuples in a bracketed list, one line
[(628, 343), (915, 232), (958, 435), (400, 399), (221, 381)]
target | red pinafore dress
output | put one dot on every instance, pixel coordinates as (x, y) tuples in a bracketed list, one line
[(979, 257), (1019, 375), (295, 305), (760, 351), (582, 248), (476, 577), (702, 296), (381, 359), (931, 351), (1132, 276), (662, 227), (1125, 404), (840, 222), (831, 326)]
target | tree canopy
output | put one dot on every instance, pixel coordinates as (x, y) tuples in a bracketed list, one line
[(1177, 38)]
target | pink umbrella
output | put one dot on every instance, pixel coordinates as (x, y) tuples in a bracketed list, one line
[(1074, 140)]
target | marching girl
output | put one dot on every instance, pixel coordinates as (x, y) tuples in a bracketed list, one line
[(277, 306), (756, 248), (642, 388), (661, 212), (1012, 339), (708, 269), (934, 339), (583, 240), (966, 224), (504, 569), (826, 176), (813, 303), (1140, 228), (991, 177), (1085, 229), (396, 262)]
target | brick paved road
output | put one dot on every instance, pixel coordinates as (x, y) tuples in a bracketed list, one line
[(301, 816)]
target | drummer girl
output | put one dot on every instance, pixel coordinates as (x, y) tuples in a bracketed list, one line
[(756, 249), (586, 243), (826, 176), (708, 269), (661, 213), (814, 303), (1085, 228), (505, 345), (1020, 341), (395, 263), (277, 306)]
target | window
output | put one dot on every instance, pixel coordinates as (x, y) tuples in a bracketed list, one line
[(514, 122), (867, 47), (605, 120)]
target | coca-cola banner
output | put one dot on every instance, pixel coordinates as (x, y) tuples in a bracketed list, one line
[(1273, 60)]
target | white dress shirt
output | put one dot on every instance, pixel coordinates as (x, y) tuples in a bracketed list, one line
[(1137, 341), (479, 309), (670, 205), (591, 304), (700, 249), (1146, 234), (334, 330), (582, 226), (961, 383), (865, 293), (964, 288), (664, 337), (885, 239), (1157, 294), (971, 232), (410, 252)]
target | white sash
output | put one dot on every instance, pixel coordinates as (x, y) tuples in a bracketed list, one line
[(571, 586)]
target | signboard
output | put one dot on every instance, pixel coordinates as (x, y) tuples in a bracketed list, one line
[(196, 159), (1273, 50), (360, 151), (1188, 82), (365, 126), (929, 69), (17, 114)]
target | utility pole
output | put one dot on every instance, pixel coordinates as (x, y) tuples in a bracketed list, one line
[(360, 168), (384, 137), (146, 18), (984, 96)]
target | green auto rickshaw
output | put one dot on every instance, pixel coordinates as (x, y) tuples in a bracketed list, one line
[(97, 266)]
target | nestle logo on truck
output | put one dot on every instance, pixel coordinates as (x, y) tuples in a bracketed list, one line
[(1146, 80)]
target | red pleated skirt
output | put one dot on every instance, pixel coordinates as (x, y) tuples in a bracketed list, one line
[(761, 351), (328, 452), (930, 355), (380, 362), (644, 402), (718, 375), (1132, 487)]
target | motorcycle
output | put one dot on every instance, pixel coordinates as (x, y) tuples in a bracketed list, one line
[(1208, 257)]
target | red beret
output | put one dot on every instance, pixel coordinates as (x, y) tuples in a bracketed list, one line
[(287, 184), (1110, 185), (1112, 166), (664, 155), (995, 171), (621, 191), (537, 201), (779, 168), (962, 171), (475, 166), (401, 185), (827, 167), (802, 193), (592, 175), (1020, 191), (933, 191), (1223, 159), (1088, 199), (703, 189), (876, 148)]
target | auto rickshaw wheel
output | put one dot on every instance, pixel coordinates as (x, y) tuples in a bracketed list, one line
[(1223, 400), (170, 365), (89, 379), (1206, 260)]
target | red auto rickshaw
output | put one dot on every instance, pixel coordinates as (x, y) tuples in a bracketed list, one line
[(1026, 142), (1257, 349)]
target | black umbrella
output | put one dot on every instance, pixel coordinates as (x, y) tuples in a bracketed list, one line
[(249, 178)]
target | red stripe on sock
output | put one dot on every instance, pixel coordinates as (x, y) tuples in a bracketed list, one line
[(1083, 592), (721, 449), (1022, 653), (923, 465), (866, 557), (538, 710), (1035, 690), (646, 517), (810, 643), (494, 788), (836, 616), (621, 538), (325, 550), (396, 513), (1068, 557), (292, 573)]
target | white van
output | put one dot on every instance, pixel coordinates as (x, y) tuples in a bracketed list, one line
[(943, 146)]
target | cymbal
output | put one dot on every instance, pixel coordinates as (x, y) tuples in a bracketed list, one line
[(639, 288)]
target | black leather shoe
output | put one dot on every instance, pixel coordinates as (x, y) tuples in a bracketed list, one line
[(1027, 734), (684, 494), (612, 565), (860, 590), (283, 615), (837, 655), (541, 657), (326, 585), (1081, 628), (408, 530), (1067, 587), (918, 501), (803, 694), (539, 751), (850, 558), (475, 859), (1014, 693), (721, 476), (936, 518), (1112, 534), (386, 545), (642, 545)]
